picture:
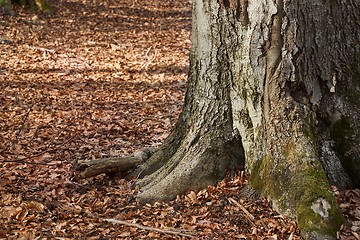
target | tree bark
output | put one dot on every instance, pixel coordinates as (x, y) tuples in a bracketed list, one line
[(42, 5), (7, 7), (274, 85)]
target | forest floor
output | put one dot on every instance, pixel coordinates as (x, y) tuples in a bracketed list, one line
[(104, 78)]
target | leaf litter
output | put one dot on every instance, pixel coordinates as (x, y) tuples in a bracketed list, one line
[(102, 79)]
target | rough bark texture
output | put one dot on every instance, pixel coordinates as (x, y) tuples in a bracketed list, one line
[(7, 7), (44, 6), (276, 83)]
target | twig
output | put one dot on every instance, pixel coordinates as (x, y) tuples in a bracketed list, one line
[(25, 162), (146, 64), (22, 124), (147, 52), (21, 160), (252, 218), (42, 49), (356, 235), (115, 221)]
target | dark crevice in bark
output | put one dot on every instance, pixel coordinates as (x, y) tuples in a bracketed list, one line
[(242, 14), (226, 3), (298, 92), (233, 145)]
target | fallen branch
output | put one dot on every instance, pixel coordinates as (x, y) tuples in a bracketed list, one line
[(114, 164), (107, 165), (115, 221)]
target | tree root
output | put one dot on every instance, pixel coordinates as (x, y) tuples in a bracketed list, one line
[(115, 221)]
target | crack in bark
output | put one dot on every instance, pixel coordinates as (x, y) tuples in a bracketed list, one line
[(242, 14), (273, 58)]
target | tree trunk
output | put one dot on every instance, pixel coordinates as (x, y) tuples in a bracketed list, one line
[(7, 7), (42, 5), (274, 85)]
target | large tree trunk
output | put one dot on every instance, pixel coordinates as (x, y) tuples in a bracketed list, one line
[(7, 7), (275, 85), (42, 5)]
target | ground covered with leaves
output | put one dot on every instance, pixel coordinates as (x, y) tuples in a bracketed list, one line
[(101, 79)]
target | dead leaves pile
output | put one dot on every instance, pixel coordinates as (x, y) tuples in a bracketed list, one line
[(90, 211), (350, 205), (102, 78)]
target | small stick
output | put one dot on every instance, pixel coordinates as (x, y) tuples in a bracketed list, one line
[(25, 162), (252, 218), (22, 124), (242, 208), (42, 49), (356, 235), (21, 160), (115, 221)]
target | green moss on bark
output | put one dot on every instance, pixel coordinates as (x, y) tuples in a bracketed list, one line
[(312, 186), (4, 3), (295, 183)]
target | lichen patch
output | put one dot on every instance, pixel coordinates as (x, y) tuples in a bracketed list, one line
[(321, 207)]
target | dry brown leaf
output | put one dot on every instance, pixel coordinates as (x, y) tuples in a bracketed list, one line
[(9, 211)]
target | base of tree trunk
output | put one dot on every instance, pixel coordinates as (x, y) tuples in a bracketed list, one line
[(42, 5), (7, 7), (189, 162)]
